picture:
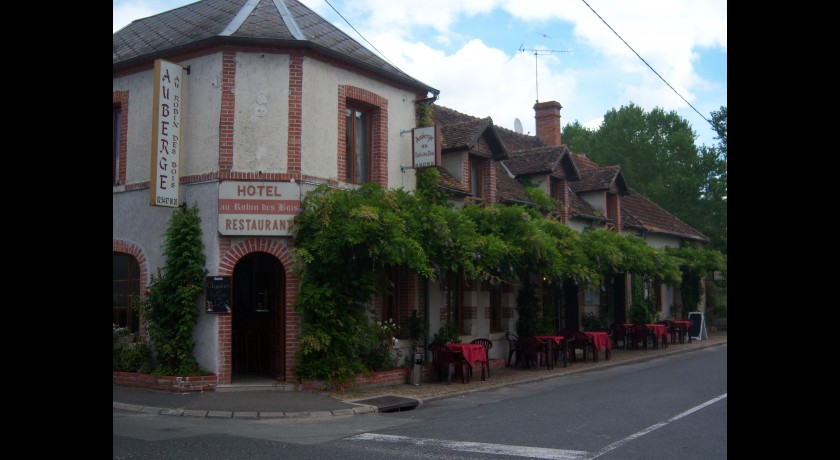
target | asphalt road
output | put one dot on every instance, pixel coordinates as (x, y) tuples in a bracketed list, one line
[(673, 407)]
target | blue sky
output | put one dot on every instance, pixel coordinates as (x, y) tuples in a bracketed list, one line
[(470, 51)]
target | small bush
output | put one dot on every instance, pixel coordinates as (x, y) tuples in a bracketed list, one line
[(135, 357), (591, 321), (447, 333)]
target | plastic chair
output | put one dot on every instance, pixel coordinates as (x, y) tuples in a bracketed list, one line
[(581, 341), (619, 332), (641, 334), (534, 350), (514, 347), (444, 357), (487, 344), (668, 326)]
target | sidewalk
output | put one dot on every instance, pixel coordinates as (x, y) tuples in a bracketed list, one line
[(265, 404)]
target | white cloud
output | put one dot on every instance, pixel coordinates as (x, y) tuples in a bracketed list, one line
[(429, 40)]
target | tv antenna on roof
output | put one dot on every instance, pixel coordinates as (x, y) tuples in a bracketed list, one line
[(538, 52), (517, 125)]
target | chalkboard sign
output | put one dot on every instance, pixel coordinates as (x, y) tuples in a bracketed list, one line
[(217, 294), (698, 326)]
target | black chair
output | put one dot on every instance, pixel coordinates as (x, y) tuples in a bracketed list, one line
[(619, 332), (535, 350), (682, 332), (514, 347), (560, 351), (581, 341), (668, 325), (487, 344), (641, 334), (444, 357)]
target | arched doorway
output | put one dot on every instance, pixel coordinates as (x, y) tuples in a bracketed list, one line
[(258, 345)]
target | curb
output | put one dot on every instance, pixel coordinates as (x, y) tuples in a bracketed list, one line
[(367, 409)]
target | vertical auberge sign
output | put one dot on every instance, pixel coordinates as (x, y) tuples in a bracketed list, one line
[(167, 111)]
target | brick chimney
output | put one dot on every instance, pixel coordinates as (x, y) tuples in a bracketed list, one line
[(547, 115)]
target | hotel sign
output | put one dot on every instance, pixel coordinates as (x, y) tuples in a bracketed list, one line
[(167, 110), (426, 146), (257, 208)]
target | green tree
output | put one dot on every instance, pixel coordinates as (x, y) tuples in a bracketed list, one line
[(577, 137), (713, 162)]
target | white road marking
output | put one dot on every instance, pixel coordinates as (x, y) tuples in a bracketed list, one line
[(647, 430), (483, 448), (525, 451)]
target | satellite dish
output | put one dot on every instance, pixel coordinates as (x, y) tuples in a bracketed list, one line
[(517, 125)]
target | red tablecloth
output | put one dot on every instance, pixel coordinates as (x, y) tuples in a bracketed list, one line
[(684, 322), (659, 330), (472, 351), (601, 340), (558, 339)]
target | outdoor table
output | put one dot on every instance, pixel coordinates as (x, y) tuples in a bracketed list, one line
[(656, 330), (685, 325), (659, 331), (601, 340), (471, 353), (551, 341)]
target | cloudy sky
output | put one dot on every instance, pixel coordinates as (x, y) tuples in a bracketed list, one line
[(591, 55)]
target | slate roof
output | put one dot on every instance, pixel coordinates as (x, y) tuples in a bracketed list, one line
[(265, 22)]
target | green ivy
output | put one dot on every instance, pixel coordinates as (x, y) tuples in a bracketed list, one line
[(642, 310), (695, 264), (170, 308), (347, 240)]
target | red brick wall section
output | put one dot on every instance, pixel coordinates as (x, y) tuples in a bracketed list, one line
[(228, 111), (165, 383), (128, 247), (547, 117), (121, 99), (565, 203), (470, 312), (614, 210), (227, 262), (428, 373), (225, 351), (489, 182), (295, 113)]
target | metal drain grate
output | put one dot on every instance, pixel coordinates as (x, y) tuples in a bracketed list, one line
[(390, 403)]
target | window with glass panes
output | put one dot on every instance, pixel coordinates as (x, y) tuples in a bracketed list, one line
[(358, 144), (126, 285)]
